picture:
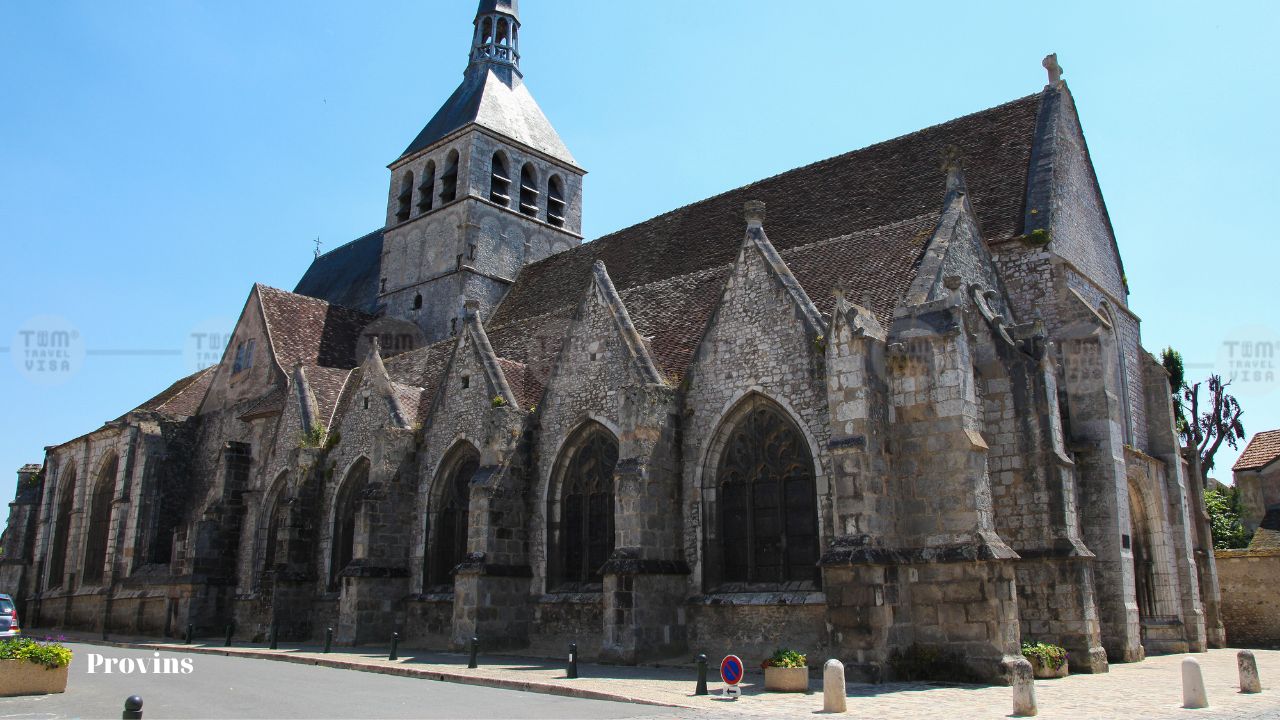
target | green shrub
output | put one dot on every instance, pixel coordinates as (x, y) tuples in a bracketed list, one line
[(50, 654), (786, 658), (1049, 655)]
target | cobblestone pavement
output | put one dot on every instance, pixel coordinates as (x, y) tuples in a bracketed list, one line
[(1149, 689)]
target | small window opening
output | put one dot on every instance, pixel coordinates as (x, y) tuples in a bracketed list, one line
[(244, 356), (528, 191), (499, 182), (449, 179), (471, 251), (503, 37), (417, 301), (428, 183), (466, 381), (486, 31), (405, 198), (366, 402), (453, 326), (555, 201)]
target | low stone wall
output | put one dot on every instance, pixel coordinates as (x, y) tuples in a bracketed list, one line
[(1250, 603)]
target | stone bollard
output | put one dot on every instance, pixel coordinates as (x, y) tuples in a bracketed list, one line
[(833, 698), (395, 647), (328, 639), (1250, 682), (1193, 694), (132, 708), (701, 688), (1024, 690)]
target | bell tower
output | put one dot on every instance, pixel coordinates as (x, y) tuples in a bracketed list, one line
[(486, 188)]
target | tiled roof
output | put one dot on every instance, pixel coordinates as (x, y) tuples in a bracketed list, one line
[(272, 403), (877, 187), (523, 383), (307, 331), (346, 275), (326, 386), (182, 398), (1260, 452), (422, 368)]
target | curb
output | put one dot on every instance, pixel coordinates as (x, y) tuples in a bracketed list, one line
[(535, 686)]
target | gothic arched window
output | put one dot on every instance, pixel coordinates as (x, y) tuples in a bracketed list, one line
[(555, 201), (584, 537), (425, 188), (452, 504), (273, 525), (767, 499), (528, 191), (449, 179), (404, 201), (62, 530), (95, 541), (499, 182), (346, 508)]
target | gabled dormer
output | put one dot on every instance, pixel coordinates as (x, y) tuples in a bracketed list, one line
[(486, 188)]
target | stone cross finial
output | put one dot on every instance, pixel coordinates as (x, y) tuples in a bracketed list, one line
[(1050, 63), (953, 166), (753, 211)]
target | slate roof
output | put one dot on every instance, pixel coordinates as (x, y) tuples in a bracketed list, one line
[(307, 331), (1261, 451), (485, 99), (347, 275)]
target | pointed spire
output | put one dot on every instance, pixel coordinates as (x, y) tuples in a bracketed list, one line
[(497, 34)]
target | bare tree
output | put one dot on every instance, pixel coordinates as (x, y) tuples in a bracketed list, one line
[(1205, 430)]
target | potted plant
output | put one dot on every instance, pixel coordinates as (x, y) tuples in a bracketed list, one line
[(30, 667), (786, 671), (1047, 660)]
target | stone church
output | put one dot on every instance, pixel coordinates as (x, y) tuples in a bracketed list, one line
[(893, 398)]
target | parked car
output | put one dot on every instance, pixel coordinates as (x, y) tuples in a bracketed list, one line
[(8, 618)]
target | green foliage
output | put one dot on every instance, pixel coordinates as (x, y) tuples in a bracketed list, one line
[(1224, 519), (314, 437), (1172, 361), (499, 401), (50, 654), (929, 663), (1039, 236), (820, 344), (1047, 654), (786, 658)]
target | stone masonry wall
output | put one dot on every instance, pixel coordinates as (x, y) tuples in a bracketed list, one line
[(1250, 604)]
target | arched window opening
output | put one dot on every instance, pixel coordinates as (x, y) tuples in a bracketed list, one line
[(96, 537), (346, 508), (768, 500), (426, 187), (449, 179), (405, 199), (500, 182), (275, 523), (528, 191), (61, 531), (453, 503), (486, 31), (555, 201), (585, 535), (503, 37)]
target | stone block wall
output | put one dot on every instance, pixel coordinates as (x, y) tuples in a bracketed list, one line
[(1250, 604)]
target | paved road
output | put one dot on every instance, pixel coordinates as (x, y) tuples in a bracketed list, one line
[(223, 687)]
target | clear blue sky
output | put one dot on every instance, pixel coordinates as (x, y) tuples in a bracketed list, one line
[(157, 158)]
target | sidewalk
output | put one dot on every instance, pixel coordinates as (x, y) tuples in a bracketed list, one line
[(1148, 689)]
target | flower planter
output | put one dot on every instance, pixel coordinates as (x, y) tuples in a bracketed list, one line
[(780, 679), (19, 677), (1044, 672)]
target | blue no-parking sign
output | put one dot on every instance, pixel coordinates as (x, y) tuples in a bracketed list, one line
[(731, 670)]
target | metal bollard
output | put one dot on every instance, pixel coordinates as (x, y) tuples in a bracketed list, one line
[(230, 629), (572, 671), (475, 647), (702, 676), (132, 708), (275, 633), (395, 646), (328, 639), (190, 629)]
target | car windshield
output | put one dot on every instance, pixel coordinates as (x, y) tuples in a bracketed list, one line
[(6, 606)]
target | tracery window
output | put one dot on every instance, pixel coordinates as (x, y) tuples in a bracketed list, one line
[(95, 544), (453, 502), (585, 538), (768, 500)]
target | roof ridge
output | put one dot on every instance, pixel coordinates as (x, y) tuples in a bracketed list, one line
[(348, 243), (931, 217)]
